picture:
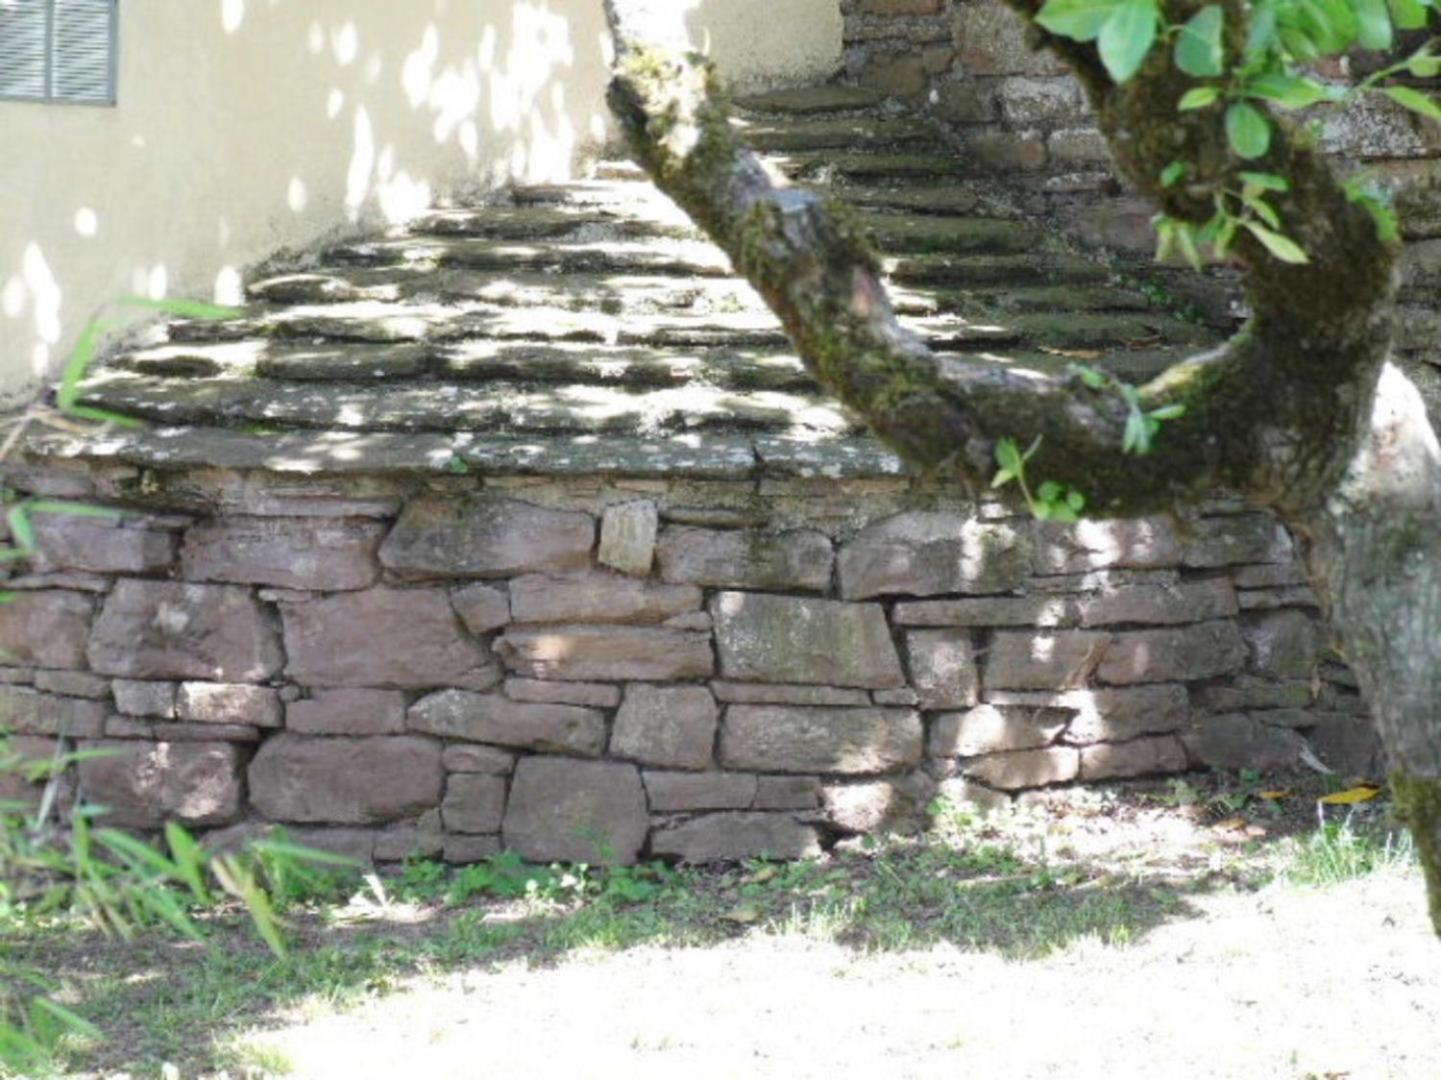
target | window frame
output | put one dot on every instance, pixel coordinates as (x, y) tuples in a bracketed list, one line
[(112, 67)]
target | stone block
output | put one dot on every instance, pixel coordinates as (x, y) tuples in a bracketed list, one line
[(72, 683), (596, 695), (144, 784), (1026, 768), (992, 42), (478, 759), (1138, 543), (598, 597), (872, 806), (1031, 101), (619, 653), (418, 839), (1241, 742), (924, 553), (486, 537), (135, 698), (1078, 146), (1202, 651), (943, 668), (463, 850), (576, 811), (1054, 660), (728, 837), (1349, 744), (171, 630), (345, 781), (668, 726), (788, 639), (787, 793), (1241, 693), (474, 803), (286, 553), (1140, 757), (960, 794), (222, 703), (736, 559), (801, 739), (1049, 611), (47, 629), (738, 693), (482, 608), (24, 711), (351, 640), (1184, 602), (990, 729), (1006, 150), (967, 101), (494, 718), (681, 792), (1282, 644), (1235, 539), (347, 712), (68, 542), (1110, 714), (627, 537)]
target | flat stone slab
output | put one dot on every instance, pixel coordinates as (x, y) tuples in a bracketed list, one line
[(486, 537), (144, 784), (47, 629), (746, 559), (667, 726), (783, 639), (325, 556), (494, 718), (729, 837), (598, 597), (925, 553), (576, 811), (346, 781), (619, 653), (802, 739)]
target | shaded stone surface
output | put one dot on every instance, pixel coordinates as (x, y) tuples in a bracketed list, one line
[(347, 712), (1053, 660), (730, 836), (598, 597), (1237, 538), (672, 792), (668, 726), (24, 711), (621, 653), (929, 552), (1110, 714), (1141, 757), (943, 668), (224, 703), (482, 608), (493, 718), (286, 553), (1184, 602), (898, 805), (1240, 742), (478, 759), (788, 793), (785, 639), (989, 611), (628, 536), (350, 640), (735, 559), (144, 784), (1282, 644), (351, 781), (781, 738), (72, 683), (989, 729), (1026, 768), (474, 803), (97, 546), (486, 537), (170, 630), (1202, 651), (46, 629), (1348, 744), (596, 695), (576, 811)]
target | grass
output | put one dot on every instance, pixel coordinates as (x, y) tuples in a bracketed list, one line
[(1022, 888)]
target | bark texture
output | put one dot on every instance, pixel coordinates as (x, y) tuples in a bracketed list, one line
[(1286, 414)]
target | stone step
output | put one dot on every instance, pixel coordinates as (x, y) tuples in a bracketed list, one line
[(271, 358), (823, 167), (847, 133), (679, 257), (991, 271), (494, 407), (553, 222), (998, 303), (912, 234), (813, 100), (946, 198)]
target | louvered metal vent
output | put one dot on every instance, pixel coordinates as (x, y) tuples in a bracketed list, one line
[(58, 50)]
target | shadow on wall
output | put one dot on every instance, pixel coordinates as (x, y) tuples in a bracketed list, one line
[(247, 125)]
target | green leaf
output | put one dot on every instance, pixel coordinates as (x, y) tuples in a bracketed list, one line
[(1373, 24), (186, 309), (1075, 500), (1289, 91), (1168, 412), (1409, 15), (1262, 34), (1186, 240), (80, 360), (23, 533), (1248, 131), (1264, 181), (1283, 247), (1134, 441), (1008, 456), (1424, 66), (1080, 20), (1198, 47), (1128, 36), (1263, 210), (103, 416), (1096, 380), (1049, 491), (50, 506), (1172, 174), (1414, 100), (1198, 97)]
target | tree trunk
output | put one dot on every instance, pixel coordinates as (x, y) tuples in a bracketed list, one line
[(1288, 414)]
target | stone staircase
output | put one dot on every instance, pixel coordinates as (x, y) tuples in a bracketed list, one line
[(595, 310)]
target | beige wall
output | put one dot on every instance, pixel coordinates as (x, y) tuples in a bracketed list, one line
[(244, 126)]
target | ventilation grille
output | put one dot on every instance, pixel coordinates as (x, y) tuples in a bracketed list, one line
[(58, 50)]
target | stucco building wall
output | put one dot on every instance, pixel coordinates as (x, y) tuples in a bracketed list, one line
[(246, 126)]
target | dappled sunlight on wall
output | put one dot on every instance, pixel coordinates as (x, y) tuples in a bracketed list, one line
[(245, 126)]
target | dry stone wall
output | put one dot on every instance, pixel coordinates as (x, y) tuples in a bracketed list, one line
[(604, 669)]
